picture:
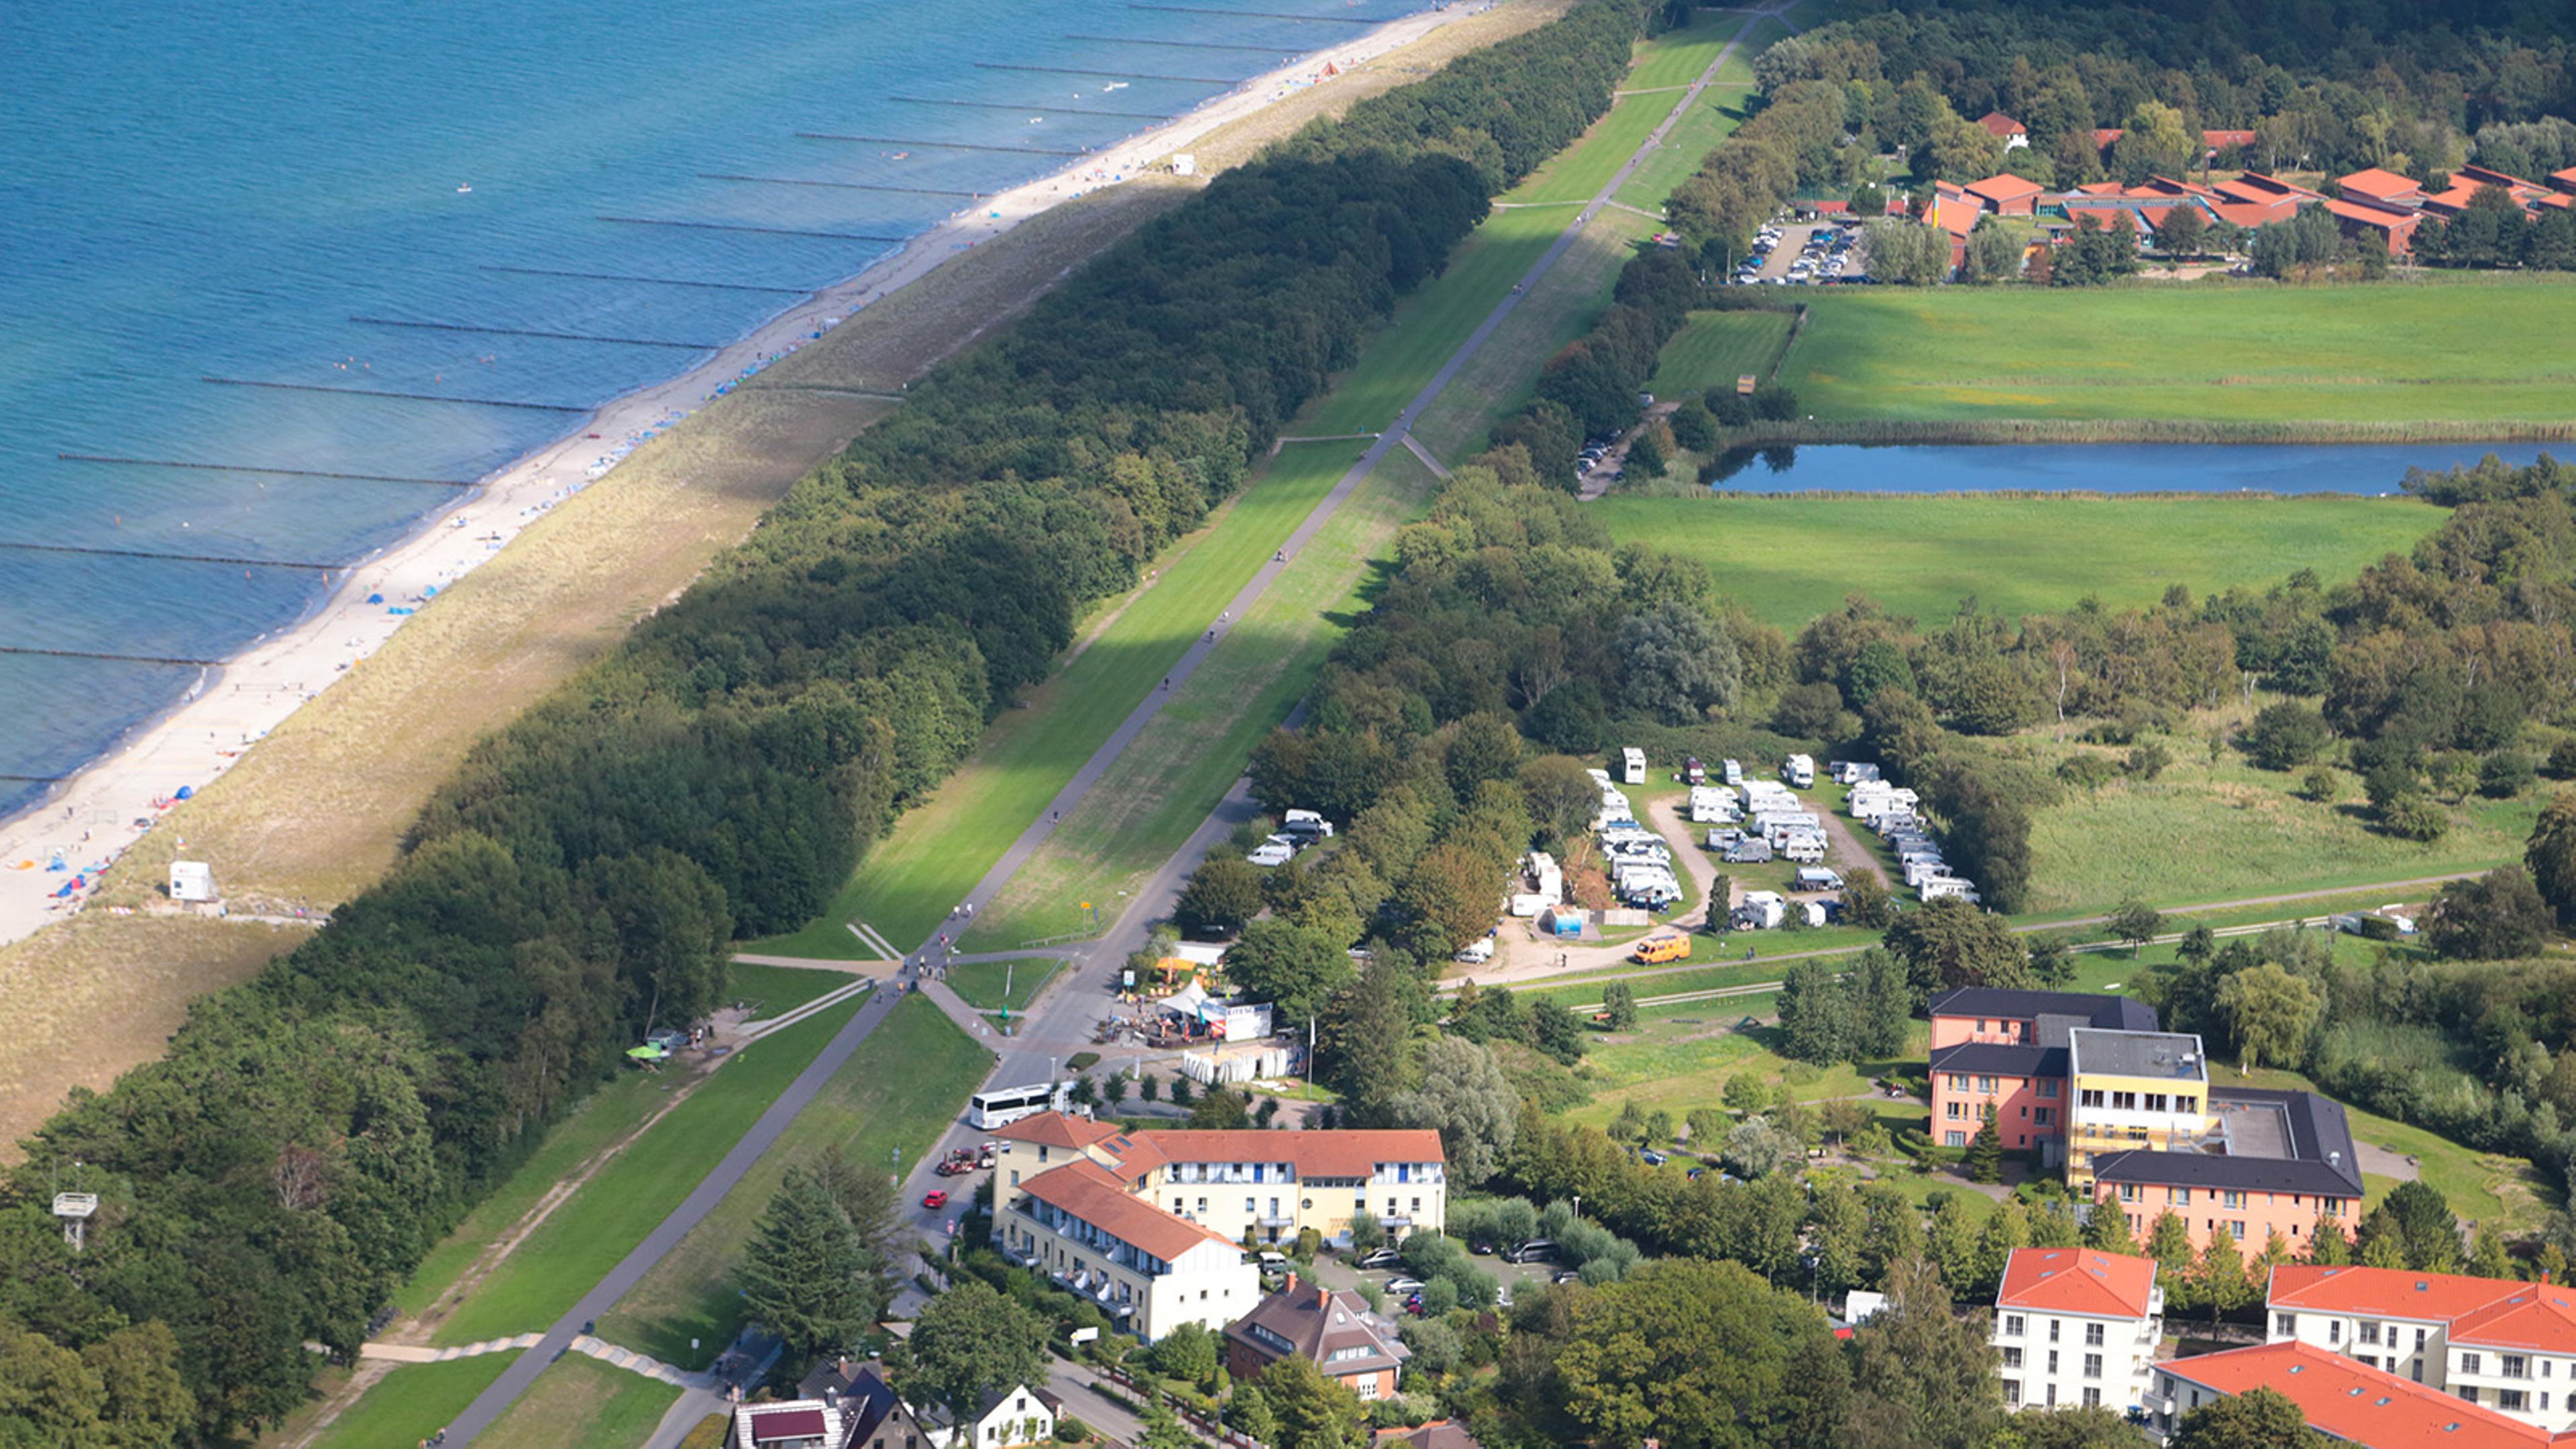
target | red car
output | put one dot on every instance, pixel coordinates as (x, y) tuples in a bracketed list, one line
[(937, 1199)]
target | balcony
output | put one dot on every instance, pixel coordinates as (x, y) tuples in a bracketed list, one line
[(1277, 1220)]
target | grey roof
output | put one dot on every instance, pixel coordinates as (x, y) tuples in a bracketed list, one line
[(2312, 1128), (2001, 1059), (1314, 1321), (2166, 1055), (2116, 1012)]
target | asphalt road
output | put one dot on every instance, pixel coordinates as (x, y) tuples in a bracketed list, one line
[(1070, 1008), (514, 1380)]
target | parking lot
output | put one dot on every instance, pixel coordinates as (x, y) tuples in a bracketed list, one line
[(1335, 1271), (1802, 253)]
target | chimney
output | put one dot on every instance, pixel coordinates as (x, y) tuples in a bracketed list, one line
[(1291, 1285)]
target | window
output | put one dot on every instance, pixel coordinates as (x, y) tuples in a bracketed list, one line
[(2155, 1101), (1368, 1386), (1958, 1081), (2012, 1358), (2236, 1229), (2231, 1199), (2516, 1366), (1958, 1111), (1985, 1084), (2370, 1333), (2510, 1400), (2186, 1104), (2012, 1393), (2419, 1340), (2178, 1196), (2092, 1365), (2128, 1192), (2014, 1325), (2048, 1088), (2052, 1363), (2044, 1116), (1954, 1139), (2093, 1335), (2124, 1101), (2334, 1330), (2466, 1392), (2092, 1097), (2092, 1398), (2285, 1325), (2470, 1363), (2054, 1325)]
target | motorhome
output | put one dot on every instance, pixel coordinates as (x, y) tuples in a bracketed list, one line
[(1306, 823), (1799, 771), (1632, 766)]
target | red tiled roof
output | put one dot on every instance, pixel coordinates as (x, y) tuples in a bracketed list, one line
[(2078, 1280), (1354, 1153), (2000, 125), (2477, 176), (1088, 1191), (2383, 1292), (2564, 180), (2380, 185), (2102, 139), (1057, 1129), (2216, 139), (2167, 186), (2256, 186), (786, 1424), (2539, 1316), (2004, 187), (2398, 222), (2340, 1397), (1956, 215), (2250, 214)]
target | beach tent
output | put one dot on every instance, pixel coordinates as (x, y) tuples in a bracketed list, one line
[(647, 1053)]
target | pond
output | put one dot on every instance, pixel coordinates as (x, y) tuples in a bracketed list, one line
[(2363, 468)]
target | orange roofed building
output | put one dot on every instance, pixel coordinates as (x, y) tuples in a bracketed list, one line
[(2505, 1344), (2005, 129), (2075, 1327), (1112, 1213), (2340, 1398), (2006, 194)]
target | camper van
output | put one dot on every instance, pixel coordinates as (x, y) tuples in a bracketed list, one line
[(1950, 887), (1632, 766), (1761, 911), (1272, 852), (1693, 772), (1799, 771), (1804, 847), (1733, 770), (1306, 823), (1750, 851)]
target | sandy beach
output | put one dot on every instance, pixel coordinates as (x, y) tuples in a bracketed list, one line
[(51, 855)]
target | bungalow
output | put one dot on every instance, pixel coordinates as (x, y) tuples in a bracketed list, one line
[(2385, 187), (2006, 194), (1334, 1331), (2005, 129), (2469, 180)]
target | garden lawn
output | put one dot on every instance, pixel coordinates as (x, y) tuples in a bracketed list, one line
[(995, 985), (598, 1225), (1713, 349), (1682, 1056), (895, 1095), (581, 1403), (2446, 350), (1148, 803), (1792, 558), (411, 1402)]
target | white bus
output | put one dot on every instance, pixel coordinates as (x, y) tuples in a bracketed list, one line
[(1005, 1105)]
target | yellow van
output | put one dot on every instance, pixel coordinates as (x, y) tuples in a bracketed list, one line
[(1656, 950)]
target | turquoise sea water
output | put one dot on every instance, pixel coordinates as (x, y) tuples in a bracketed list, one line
[(198, 189)]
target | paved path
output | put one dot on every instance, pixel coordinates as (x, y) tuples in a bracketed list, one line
[(1061, 1021), (514, 1380), (1414, 445)]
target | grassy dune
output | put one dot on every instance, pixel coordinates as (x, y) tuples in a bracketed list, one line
[(1791, 558), (2467, 349)]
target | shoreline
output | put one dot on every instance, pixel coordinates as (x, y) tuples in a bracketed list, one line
[(91, 817)]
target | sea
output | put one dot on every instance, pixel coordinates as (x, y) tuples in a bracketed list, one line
[(388, 199)]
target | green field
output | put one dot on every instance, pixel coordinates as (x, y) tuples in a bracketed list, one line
[(581, 1403), (889, 1102), (995, 985), (2447, 352), (411, 1402), (775, 990), (2248, 836), (1705, 123), (1148, 803), (584, 1237), (1789, 558), (1715, 348)]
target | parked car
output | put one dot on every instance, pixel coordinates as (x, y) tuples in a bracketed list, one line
[(1404, 1285), (1379, 1258), (1536, 1250), (936, 1199)]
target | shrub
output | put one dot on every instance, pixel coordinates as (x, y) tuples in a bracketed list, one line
[(2147, 761), (1070, 1430), (2285, 736), (2505, 774), (2322, 785), (2087, 772), (2562, 760), (2413, 817)]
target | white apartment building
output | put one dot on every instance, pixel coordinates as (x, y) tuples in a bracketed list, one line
[(1078, 1225), (2077, 1328), (2506, 1345), (1271, 1185)]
